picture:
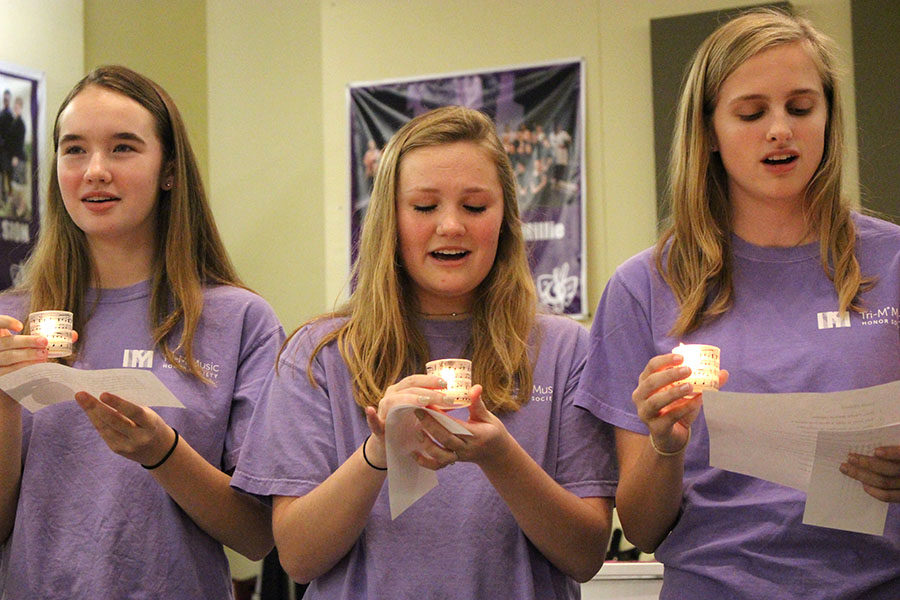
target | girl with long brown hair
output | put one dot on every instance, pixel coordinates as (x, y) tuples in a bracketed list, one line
[(129, 246)]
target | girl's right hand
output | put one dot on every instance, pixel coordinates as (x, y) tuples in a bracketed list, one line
[(415, 390), (17, 351), (668, 408)]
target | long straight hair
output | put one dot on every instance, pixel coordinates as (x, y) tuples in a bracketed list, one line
[(379, 339), (697, 244), (189, 253)]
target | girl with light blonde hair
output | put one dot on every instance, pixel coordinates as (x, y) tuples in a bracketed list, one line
[(523, 505), (761, 248)]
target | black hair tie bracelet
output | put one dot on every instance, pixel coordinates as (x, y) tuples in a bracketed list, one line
[(168, 454), (366, 458)]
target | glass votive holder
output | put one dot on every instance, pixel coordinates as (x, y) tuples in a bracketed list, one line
[(56, 326), (704, 363), (457, 372)]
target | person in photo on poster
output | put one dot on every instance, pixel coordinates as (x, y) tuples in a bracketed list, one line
[(370, 163), (6, 120), (18, 205)]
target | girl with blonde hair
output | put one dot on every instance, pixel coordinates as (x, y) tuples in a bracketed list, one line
[(761, 243), (129, 246), (523, 505)]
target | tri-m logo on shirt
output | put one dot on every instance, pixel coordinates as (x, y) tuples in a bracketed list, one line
[(143, 359), (833, 318), (888, 315), (137, 359)]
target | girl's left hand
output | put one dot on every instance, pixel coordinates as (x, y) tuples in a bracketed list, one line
[(879, 474), (488, 442), (132, 431)]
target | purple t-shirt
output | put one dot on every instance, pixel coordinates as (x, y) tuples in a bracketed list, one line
[(460, 540), (92, 524), (738, 536)]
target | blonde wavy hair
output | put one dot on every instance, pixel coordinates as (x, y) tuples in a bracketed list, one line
[(189, 252), (698, 260), (380, 340)]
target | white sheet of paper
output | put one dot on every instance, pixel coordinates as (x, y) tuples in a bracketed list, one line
[(774, 436), (407, 480), (41, 385), (837, 501)]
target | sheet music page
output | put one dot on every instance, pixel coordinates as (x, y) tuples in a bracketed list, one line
[(41, 385), (773, 436), (837, 501)]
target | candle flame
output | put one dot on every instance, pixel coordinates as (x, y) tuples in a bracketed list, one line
[(448, 374), (704, 363), (48, 327)]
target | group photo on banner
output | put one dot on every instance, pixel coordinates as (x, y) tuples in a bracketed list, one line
[(539, 114), (21, 111)]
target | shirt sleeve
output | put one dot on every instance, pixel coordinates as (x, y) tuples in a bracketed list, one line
[(586, 460), (291, 444), (261, 337), (621, 343)]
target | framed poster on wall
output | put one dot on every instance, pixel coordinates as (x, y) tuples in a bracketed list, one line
[(539, 113), (21, 136)]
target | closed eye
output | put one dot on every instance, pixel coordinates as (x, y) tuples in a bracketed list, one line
[(424, 207), (475, 209), (751, 117)]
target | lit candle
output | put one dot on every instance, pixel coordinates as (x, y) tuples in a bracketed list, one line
[(704, 363), (457, 372), (56, 326)]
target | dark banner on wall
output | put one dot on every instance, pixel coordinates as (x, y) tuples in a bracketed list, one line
[(539, 113), (21, 113)]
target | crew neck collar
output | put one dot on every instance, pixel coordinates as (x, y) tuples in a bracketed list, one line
[(745, 249), (124, 294)]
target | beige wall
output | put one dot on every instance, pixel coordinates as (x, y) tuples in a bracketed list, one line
[(266, 164), (262, 86), (163, 39)]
